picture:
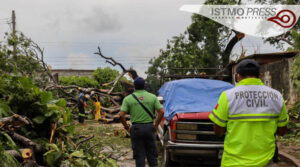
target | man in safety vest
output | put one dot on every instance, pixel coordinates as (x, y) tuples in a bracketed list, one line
[(81, 103), (141, 105), (251, 114)]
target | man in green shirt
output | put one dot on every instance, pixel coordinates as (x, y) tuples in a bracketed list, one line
[(141, 106), (252, 114)]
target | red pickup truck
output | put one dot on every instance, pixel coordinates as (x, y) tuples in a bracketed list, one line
[(186, 133)]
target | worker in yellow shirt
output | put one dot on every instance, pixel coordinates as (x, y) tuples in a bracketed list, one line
[(96, 101)]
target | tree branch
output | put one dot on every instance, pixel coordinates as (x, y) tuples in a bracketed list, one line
[(26, 142), (226, 54), (15, 121), (110, 60), (84, 140)]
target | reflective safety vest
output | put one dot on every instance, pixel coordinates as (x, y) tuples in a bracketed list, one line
[(81, 114), (251, 113)]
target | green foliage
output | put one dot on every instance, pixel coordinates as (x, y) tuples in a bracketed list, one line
[(24, 60), (10, 142), (23, 97), (54, 156), (296, 36), (296, 73), (76, 158), (100, 76), (82, 81), (7, 160), (4, 110), (105, 75), (200, 46), (295, 76)]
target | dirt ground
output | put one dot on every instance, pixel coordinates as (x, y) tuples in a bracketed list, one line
[(114, 143)]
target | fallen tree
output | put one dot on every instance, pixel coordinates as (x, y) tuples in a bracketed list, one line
[(70, 92)]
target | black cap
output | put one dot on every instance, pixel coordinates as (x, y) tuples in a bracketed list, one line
[(139, 83), (248, 67)]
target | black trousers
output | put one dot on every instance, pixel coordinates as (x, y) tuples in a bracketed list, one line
[(81, 114), (143, 143)]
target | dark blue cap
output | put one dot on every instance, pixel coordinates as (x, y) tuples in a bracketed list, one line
[(246, 66), (139, 83)]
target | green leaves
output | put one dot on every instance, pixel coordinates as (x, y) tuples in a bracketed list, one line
[(61, 103), (39, 119), (105, 75), (7, 160), (53, 158), (45, 97), (77, 154), (4, 110), (112, 162), (10, 141), (82, 81)]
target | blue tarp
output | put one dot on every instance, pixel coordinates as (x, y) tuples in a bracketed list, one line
[(191, 95)]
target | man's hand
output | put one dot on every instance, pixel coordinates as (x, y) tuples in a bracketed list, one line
[(123, 120), (160, 114), (85, 105), (219, 131), (281, 131)]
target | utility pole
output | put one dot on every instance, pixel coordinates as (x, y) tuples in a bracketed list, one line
[(13, 16)]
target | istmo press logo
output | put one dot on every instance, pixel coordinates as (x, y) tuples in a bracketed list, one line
[(257, 20)]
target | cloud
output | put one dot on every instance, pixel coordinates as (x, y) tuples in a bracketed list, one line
[(91, 20), (138, 56), (100, 21), (80, 61)]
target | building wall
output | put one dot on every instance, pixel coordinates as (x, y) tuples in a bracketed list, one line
[(278, 76), (71, 72)]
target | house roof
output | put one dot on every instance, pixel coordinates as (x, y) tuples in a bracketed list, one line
[(265, 58), (71, 70)]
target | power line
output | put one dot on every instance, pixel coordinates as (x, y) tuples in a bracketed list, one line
[(6, 18)]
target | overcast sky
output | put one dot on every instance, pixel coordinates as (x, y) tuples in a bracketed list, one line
[(131, 31)]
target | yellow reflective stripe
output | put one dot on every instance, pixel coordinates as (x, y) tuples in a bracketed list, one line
[(253, 117), (215, 115), (282, 123), (246, 115), (216, 121), (279, 121)]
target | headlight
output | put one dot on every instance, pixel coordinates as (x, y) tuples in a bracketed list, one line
[(186, 137), (186, 126)]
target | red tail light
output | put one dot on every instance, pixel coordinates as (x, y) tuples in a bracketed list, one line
[(173, 127)]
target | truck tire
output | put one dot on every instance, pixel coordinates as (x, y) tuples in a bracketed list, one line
[(167, 161)]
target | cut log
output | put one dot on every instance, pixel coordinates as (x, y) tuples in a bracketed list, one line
[(116, 117), (27, 153), (106, 120), (111, 110), (26, 142), (109, 116), (30, 163)]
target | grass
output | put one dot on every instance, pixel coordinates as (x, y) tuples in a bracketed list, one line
[(104, 135)]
